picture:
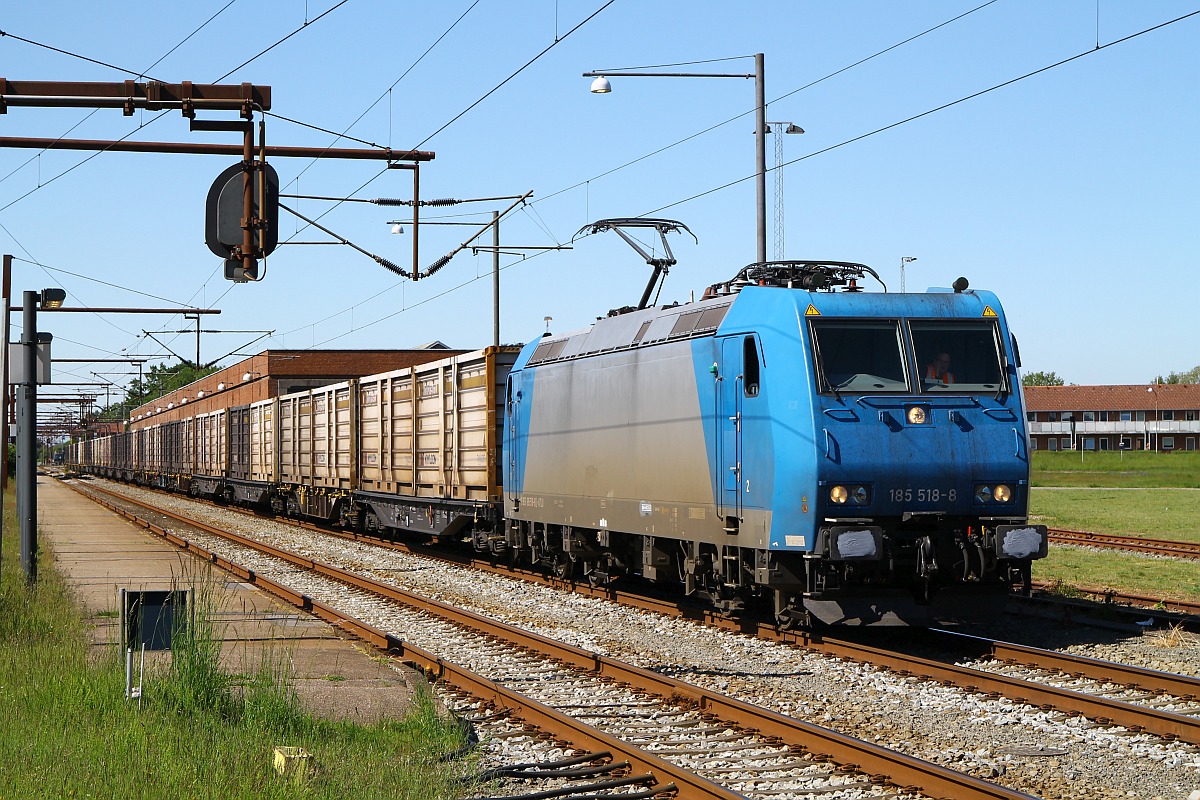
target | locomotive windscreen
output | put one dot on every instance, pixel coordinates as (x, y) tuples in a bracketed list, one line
[(864, 356), (859, 356), (959, 356)]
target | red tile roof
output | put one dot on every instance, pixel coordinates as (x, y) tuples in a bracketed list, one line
[(1138, 397)]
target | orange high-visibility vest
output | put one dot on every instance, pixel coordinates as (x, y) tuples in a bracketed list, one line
[(945, 377)]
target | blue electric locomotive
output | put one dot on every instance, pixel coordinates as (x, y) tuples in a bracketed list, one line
[(849, 457)]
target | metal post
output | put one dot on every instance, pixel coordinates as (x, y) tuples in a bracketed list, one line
[(760, 153), (4, 432), (496, 278), (27, 439), (7, 291)]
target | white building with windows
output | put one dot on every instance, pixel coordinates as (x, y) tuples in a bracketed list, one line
[(1163, 417)]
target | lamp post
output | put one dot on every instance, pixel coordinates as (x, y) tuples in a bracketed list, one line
[(27, 425), (601, 85), (1150, 389), (903, 261)]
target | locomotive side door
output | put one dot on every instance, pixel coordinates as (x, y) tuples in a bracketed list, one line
[(510, 451), (729, 427)]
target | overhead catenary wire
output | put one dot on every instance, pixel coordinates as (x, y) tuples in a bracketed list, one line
[(931, 111), (844, 143), (380, 260)]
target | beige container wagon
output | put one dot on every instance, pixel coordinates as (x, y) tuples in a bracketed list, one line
[(211, 454), (415, 449)]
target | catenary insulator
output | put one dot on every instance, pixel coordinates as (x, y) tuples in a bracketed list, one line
[(383, 262)]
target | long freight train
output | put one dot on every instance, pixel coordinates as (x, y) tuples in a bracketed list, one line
[(789, 440)]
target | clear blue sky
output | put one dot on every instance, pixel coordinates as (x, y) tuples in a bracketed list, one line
[(1071, 193)]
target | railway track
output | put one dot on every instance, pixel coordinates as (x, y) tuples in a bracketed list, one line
[(1160, 703), (670, 731), (1134, 544), (1090, 601)]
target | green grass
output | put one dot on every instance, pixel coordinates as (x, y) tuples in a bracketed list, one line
[(1139, 469), (68, 731), (1131, 574), (1152, 513), (1153, 495)]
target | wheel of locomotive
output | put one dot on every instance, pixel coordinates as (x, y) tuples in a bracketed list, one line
[(727, 601), (596, 577), (789, 613), (563, 566)]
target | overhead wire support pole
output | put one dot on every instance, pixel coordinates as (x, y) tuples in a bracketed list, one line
[(199, 149), (101, 310)]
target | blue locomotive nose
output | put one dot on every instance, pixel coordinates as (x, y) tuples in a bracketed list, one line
[(921, 452), (925, 456)]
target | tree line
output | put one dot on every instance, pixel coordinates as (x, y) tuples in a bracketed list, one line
[(1052, 379), (159, 380)]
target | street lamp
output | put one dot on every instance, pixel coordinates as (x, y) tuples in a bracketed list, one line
[(903, 261), (27, 422), (601, 85)]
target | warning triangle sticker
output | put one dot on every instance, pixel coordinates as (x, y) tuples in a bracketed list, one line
[(812, 311), (987, 311)]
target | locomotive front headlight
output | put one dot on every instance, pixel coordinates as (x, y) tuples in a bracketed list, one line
[(917, 415), (983, 493), (1002, 493), (859, 495), (839, 495)]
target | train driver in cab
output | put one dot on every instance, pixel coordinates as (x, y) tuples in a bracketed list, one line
[(938, 370)]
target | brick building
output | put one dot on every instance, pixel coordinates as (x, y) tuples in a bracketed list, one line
[(1163, 417), (275, 372)]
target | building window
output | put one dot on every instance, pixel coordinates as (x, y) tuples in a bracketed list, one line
[(1089, 416), (1054, 416), (1031, 416), (1089, 443), (1168, 415), (1052, 443), (1127, 417), (1190, 416), (1104, 416), (1103, 442), (1190, 443), (1168, 443), (1125, 443), (1033, 444), (1066, 443), (1141, 416)]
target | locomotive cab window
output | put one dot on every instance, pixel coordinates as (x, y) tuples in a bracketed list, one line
[(750, 366), (859, 356), (958, 357)]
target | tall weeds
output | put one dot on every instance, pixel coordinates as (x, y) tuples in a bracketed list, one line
[(205, 728)]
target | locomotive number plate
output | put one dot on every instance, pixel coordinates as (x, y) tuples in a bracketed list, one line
[(932, 495)]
